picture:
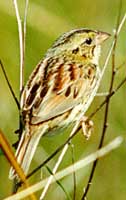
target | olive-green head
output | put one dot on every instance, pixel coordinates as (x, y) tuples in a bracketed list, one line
[(79, 43)]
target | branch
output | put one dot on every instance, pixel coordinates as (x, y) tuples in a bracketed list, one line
[(9, 85)]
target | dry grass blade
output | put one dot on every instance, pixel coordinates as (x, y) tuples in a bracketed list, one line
[(11, 158), (74, 174), (24, 29), (78, 165), (21, 44)]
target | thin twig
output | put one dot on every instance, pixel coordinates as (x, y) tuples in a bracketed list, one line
[(24, 39), (67, 171), (21, 44), (25, 23), (9, 85), (60, 185), (120, 66), (118, 29), (74, 173)]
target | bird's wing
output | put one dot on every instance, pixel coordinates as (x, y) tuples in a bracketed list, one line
[(56, 89)]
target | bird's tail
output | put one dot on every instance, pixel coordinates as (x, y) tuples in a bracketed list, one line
[(26, 149)]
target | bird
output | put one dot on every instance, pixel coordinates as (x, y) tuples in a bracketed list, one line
[(58, 89)]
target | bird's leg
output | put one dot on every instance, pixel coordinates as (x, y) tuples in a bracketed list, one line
[(87, 127)]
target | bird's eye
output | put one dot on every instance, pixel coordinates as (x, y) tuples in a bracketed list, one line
[(88, 41)]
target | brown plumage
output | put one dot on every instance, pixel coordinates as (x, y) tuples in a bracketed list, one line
[(58, 89)]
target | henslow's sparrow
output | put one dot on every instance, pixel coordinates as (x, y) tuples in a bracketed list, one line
[(58, 89)]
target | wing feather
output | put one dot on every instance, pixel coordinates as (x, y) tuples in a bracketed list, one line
[(60, 89)]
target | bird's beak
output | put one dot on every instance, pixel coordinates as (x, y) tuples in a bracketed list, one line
[(102, 36)]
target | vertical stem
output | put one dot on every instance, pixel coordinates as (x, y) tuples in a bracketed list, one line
[(22, 37), (21, 45)]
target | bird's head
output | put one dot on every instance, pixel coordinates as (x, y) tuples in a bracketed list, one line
[(80, 44)]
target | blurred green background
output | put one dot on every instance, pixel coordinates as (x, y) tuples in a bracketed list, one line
[(46, 21)]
